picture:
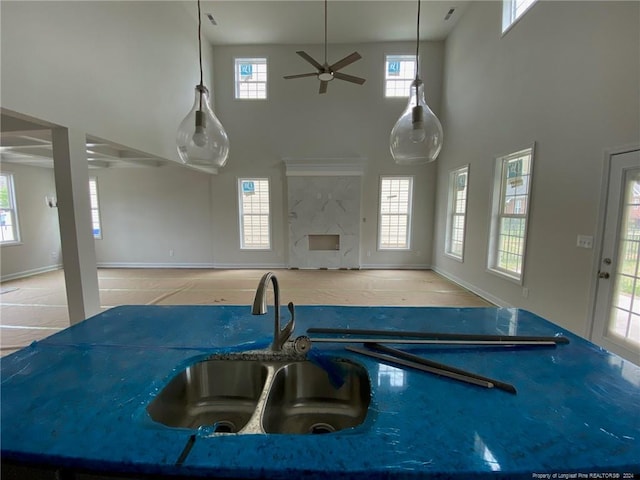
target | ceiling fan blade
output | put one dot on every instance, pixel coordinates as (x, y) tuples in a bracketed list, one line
[(323, 87), (349, 78), (309, 59), (349, 59), (288, 77)]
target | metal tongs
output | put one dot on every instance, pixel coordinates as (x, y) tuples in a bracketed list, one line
[(399, 357)]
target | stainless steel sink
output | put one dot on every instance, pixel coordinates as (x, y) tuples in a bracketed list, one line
[(305, 399), (219, 393), (265, 396)]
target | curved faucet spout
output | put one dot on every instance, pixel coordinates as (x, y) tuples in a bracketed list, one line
[(260, 308)]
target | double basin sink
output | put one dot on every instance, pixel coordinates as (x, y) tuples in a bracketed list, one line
[(253, 396)]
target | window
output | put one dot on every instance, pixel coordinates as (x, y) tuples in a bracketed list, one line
[(512, 10), (253, 194), (251, 78), (457, 212), (510, 211), (400, 71), (95, 209), (395, 213), (9, 232)]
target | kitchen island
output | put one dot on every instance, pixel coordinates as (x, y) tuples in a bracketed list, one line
[(76, 401)]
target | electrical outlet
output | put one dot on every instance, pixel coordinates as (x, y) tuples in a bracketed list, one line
[(525, 292), (171, 252), (585, 241)]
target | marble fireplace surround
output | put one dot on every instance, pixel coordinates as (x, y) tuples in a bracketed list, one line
[(323, 198)]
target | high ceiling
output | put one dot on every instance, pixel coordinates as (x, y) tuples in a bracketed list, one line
[(241, 22), (28, 142), (244, 22)]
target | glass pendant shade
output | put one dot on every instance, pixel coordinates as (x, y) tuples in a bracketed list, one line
[(201, 139), (416, 137)]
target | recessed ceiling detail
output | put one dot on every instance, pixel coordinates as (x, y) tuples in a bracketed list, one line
[(34, 148)]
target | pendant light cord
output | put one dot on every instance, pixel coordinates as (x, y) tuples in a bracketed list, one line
[(325, 31), (418, 40), (417, 49), (200, 50)]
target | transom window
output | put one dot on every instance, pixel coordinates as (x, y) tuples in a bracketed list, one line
[(9, 232), (399, 72), (95, 208), (251, 78), (395, 213), (253, 195), (457, 212), (512, 10), (511, 199)]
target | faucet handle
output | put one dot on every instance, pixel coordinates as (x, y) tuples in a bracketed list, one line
[(286, 332)]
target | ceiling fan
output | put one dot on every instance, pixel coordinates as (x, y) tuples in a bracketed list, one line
[(326, 72)]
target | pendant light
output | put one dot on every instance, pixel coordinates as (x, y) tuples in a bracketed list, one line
[(416, 137), (201, 139)]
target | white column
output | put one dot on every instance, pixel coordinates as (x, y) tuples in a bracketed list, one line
[(71, 172)]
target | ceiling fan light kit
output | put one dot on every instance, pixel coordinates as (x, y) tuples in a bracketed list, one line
[(325, 72), (416, 138)]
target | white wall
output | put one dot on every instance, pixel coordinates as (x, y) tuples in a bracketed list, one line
[(125, 72), (122, 71), (349, 121), (39, 248), (154, 217), (567, 77)]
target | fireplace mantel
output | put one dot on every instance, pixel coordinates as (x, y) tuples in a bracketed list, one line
[(324, 167)]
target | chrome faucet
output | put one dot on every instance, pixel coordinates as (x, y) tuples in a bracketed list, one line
[(260, 308)]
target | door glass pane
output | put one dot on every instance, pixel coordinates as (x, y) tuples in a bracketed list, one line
[(624, 320)]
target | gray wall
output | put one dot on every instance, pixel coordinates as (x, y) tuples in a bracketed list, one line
[(122, 71), (154, 217), (96, 81), (349, 121), (39, 248), (567, 77)]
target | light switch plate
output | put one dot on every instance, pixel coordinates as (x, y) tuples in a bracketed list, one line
[(585, 241)]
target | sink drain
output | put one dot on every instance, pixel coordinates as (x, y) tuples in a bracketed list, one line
[(318, 428), (224, 426)]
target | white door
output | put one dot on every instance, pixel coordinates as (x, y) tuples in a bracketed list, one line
[(616, 324)]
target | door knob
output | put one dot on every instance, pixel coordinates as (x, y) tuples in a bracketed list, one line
[(603, 275)]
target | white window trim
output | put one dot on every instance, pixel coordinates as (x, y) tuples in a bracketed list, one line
[(508, 21), (14, 207), (384, 76), (409, 214), (95, 179), (450, 212), (235, 80), (241, 216), (495, 218)]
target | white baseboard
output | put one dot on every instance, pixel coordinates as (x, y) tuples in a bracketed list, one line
[(257, 266), (478, 291), (253, 266), (394, 266), (221, 266), (153, 265), (29, 273)]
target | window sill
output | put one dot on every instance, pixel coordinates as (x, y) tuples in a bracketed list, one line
[(507, 276), (454, 257), (11, 244)]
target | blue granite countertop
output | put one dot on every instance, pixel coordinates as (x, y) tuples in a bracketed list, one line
[(78, 400)]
